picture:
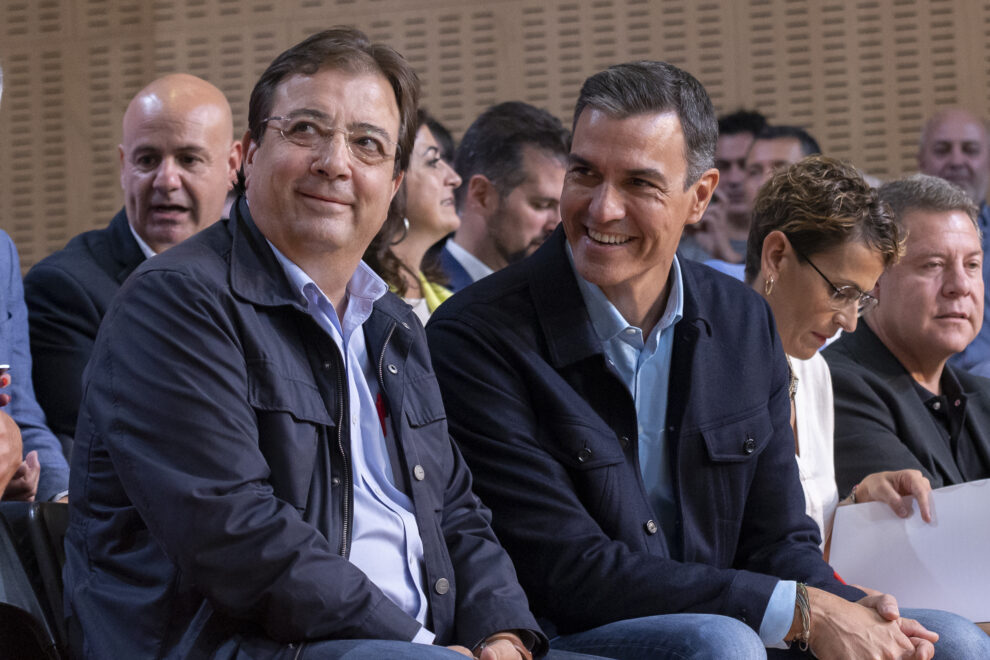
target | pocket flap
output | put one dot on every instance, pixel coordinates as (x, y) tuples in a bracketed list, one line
[(272, 391), (740, 440), (579, 445), (423, 402)]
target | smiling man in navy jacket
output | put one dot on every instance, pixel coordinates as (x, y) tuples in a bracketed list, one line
[(262, 466), (626, 416)]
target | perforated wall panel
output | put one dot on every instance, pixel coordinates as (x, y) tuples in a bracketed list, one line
[(860, 74)]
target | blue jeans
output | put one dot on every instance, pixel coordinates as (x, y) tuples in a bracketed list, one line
[(672, 636), (375, 649)]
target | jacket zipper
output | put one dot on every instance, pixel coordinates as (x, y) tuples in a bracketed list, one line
[(345, 537)]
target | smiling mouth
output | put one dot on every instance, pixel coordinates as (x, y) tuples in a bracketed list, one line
[(608, 239), (323, 199)]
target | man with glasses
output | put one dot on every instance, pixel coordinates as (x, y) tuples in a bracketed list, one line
[(262, 466), (898, 403)]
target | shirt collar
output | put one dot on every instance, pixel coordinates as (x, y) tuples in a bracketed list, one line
[(607, 320), (145, 248), (363, 289), (474, 266)]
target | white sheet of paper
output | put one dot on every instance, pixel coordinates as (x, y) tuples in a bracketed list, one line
[(944, 565)]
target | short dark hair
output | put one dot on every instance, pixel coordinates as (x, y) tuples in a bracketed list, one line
[(349, 49), (741, 121), (636, 88), (809, 145), (819, 203), (921, 192), (492, 146)]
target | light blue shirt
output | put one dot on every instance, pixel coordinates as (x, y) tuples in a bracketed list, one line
[(643, 365), (386, 544)]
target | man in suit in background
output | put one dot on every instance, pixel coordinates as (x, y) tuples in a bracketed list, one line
[(899, 402), (511, 162), (178, 159)]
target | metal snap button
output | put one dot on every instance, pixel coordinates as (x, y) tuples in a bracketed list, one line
[(419, 473)]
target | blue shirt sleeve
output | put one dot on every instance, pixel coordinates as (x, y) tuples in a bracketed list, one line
[(779, 615), (23, 407)]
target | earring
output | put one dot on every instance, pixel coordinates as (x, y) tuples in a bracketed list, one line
[(768, 286), (405, 232)]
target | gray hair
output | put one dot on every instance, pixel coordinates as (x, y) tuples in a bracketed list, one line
[(636, 88), (921, 192)]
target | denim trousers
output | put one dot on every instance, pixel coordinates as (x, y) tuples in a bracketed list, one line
[(713, 637), (375, 649)]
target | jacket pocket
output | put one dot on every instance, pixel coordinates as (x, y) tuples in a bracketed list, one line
[(740, 440), (423, 402), (291, 418), (579, 445)]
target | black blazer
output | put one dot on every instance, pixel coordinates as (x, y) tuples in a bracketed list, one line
[(67, 294), (882, 424)]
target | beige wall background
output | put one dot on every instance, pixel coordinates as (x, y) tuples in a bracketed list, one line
[(861, 75)]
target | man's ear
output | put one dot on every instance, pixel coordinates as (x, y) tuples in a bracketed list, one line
[(248, 147), (234, 162), (702, 191), (481, 196)]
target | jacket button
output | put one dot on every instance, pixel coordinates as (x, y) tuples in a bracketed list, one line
[(584, 455), (326, 365), (651, 527), (392, 369), (749, 446), (442, 586), (624, 441), (335, 481), (419, 473)]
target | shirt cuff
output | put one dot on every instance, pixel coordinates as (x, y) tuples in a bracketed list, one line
[(424, 636), (57, 496), (779, 615)]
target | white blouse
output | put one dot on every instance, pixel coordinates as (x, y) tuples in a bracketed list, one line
[(815, 416)]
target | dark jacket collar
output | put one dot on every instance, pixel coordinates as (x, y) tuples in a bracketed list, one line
[(563, 317), (124, 249), (864, 347)]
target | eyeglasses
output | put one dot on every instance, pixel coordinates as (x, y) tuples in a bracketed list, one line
[(843, 296), (365, 144)]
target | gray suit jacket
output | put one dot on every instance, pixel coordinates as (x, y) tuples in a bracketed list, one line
[(882, 424)]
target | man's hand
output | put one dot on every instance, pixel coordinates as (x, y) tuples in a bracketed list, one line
[(893, 488), (871, 628), (23, 485), (10, 449)]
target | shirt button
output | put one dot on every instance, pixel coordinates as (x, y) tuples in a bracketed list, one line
[(630, 331), (651, 527), (392, 369), (419, 473), (937, 405), (326, 365), (584, 455), (749, 446), (442, 586)]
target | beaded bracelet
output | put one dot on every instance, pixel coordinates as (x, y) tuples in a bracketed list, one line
[(804, 608)]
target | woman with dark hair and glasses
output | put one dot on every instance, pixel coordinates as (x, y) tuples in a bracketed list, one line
[(819, 240)]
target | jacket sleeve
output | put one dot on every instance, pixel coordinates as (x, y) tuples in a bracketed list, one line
[(167, 393), (64, 320), (867, 438), (24, 408)]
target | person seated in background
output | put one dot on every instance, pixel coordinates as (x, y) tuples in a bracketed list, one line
[(177, 162), (626, 414), (898, 404), (420, 215), (954, 146), (721, 233), (773, 147), (43, 473), (511, 165), (263, 467)]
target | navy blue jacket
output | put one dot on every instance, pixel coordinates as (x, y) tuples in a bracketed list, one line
[(550, 433), (211, 487), (456, 273), (67, 294)]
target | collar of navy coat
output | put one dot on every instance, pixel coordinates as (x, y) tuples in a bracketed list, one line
[(122, 246)]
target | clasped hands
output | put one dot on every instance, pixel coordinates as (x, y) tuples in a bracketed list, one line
[(500, 646), (869, 628)]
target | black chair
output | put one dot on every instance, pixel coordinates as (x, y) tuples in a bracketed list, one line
[(24, 628), (47, 523)]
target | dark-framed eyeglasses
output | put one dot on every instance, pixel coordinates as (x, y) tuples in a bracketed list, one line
[(366, 145), (843, 296)]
